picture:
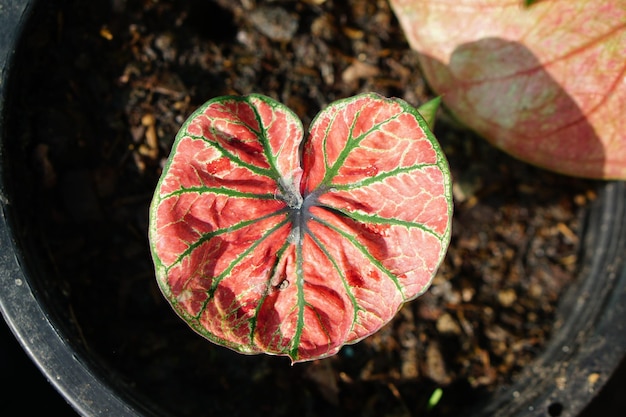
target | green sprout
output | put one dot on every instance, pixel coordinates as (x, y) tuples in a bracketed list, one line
[(434, 399)]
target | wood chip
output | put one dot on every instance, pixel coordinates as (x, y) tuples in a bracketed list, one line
[(359, 70)]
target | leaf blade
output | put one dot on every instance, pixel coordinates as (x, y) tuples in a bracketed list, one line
[(254, 265)]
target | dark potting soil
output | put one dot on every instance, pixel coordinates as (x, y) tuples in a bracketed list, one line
[(103, 87)]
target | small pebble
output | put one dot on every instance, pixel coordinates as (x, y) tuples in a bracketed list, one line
[(507, 297), (446, 324), (275, 22)]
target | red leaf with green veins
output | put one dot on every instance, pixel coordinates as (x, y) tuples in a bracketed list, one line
[(543, 80), (262, 250)]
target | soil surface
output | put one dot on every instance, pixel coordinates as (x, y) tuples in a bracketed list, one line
[(104, 87)]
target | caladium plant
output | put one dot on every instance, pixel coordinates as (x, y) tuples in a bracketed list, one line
[(543, 80), (265, 243)]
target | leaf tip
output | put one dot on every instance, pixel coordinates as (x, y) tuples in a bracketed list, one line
[(428, 111), (528, 3)]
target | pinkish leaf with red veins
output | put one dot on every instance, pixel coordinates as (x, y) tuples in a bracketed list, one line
[(260, 250), (544, 82)]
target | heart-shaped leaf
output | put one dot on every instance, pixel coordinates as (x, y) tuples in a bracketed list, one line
[(543, 80), (262, 250)]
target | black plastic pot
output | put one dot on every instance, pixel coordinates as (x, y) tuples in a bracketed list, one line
[(586, 347), (72, 373)]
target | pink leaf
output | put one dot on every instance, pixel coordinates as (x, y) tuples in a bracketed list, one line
[(259, 254), (544, 82)]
